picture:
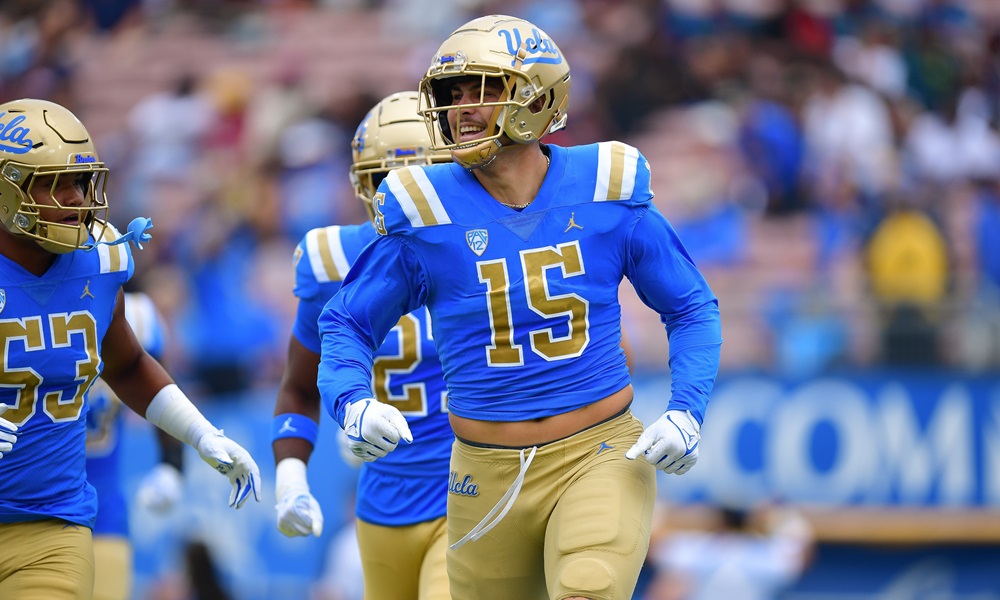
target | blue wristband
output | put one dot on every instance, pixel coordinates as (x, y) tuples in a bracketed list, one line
[(288, 425)]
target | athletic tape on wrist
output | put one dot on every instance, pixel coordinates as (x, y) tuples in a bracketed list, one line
[(173, 412), (288, 425), (290, 474)]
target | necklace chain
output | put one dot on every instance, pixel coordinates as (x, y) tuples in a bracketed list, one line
[(548, 162)]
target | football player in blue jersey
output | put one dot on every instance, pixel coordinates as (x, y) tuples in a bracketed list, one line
[(158, 491), (401, 499), (517, 249), (63, 325)]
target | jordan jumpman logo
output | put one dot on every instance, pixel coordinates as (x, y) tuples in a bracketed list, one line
[(572, 223)]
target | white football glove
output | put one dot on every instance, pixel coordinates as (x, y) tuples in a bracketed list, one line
[(161, 488), (670, 443), (7, 429), (346, 454), (374, 428), (229, 458), (298, 512)]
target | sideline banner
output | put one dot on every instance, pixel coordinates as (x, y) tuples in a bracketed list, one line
[(874, 439)]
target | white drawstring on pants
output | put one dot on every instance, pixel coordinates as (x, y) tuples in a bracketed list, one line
[(502, 506)]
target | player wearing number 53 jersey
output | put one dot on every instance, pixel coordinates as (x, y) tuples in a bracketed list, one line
[(63, 325), (400, 500), (518, 250)]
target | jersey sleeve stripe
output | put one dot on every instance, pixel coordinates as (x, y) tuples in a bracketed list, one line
[(417, 197), (326, 254), (616, 170), (113, 258)]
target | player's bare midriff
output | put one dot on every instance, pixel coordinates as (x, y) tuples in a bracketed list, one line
[(523, 434)]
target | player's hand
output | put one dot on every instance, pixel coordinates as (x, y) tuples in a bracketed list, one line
[(161, 488), (374, 429), (229, 458), (346, 453), (7, 429), (298, 513), (670, 443)]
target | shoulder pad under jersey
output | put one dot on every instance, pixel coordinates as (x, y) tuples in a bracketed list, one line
[(622, 173), (116, 258), (319, 258), (408, 199)]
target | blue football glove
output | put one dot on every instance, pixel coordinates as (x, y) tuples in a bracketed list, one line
[(670, 443), (299, 513), (346, 452), (374, 429), (229, 458), (7, 429)]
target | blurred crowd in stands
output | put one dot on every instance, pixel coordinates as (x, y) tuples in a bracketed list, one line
[(832, 165)]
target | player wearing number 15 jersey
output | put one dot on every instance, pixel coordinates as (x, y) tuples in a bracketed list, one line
[(517, 250), (401, 498)]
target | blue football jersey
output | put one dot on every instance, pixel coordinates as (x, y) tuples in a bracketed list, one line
[(524, 304), (105, 421), (52, 327), (406, 374)]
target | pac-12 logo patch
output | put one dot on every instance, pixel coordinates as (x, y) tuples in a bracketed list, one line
[(477, 240)]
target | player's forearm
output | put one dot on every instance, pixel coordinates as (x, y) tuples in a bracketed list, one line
[(292, 448), (138, 383), (695, 347)]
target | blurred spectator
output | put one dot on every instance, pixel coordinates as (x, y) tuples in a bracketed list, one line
[(909, 266), (745, 554), (168, 130), (848, 134), (312, 182), (36, 57), (281, 101)]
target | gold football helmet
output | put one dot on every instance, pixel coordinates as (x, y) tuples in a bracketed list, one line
[(43, 140), (392, 135), (527, 62)]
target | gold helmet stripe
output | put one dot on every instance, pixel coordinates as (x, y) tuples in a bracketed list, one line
[(326, 254), (616, 169), (113, 258), (417, 197)]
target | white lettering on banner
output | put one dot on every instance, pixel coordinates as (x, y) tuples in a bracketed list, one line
[(787, 444), (944, 456), (890, 447)]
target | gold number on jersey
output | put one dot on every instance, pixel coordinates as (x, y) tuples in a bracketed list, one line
[(413, 400), (29, 332), (503, 352)]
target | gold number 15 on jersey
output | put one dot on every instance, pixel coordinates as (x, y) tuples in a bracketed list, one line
[(535, 264)]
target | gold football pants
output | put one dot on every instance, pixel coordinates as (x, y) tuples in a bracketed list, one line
[(46, 560), (404, 563), (580, 525)]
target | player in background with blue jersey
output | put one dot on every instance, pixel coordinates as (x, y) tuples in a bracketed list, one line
[(159, 490), (400, 504), (518, 250), (63, 325)]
